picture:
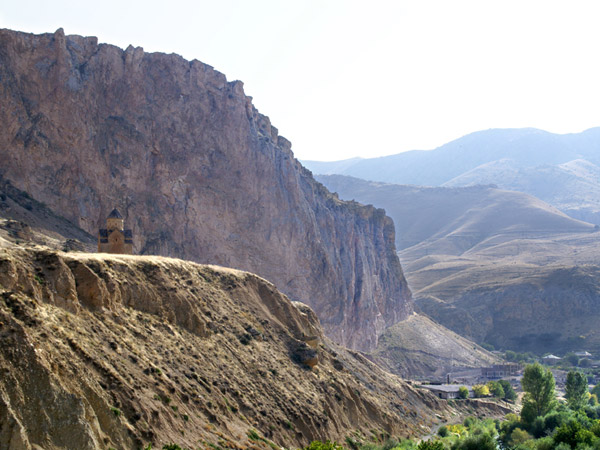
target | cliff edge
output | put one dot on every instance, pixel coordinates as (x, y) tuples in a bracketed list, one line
[(196, 171)]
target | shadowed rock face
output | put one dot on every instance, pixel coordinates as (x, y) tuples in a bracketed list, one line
[(195, 170)]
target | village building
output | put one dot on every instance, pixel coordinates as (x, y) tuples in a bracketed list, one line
[(115, 238), (500, 371), (447, 391), (550, 360)]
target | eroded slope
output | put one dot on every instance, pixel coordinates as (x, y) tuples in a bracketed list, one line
[(418, 347), (121, 351)]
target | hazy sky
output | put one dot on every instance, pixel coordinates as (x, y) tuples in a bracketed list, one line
[(344, 78)]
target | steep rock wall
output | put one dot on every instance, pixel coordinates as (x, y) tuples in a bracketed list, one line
[(196, 171)]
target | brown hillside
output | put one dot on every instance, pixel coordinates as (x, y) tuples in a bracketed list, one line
[(418, 347), (495, 266), (99, 351)]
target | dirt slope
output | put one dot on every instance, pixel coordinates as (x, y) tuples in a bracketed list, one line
[(100, 351), (418, 347)]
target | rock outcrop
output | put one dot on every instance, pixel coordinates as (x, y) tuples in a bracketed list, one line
[(100, 351), (195, 170), (523, 307)]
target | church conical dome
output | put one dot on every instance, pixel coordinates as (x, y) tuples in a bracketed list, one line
[(115, 214)]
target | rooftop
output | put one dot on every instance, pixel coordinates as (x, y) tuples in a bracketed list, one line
[(444, 387), (115, 214)]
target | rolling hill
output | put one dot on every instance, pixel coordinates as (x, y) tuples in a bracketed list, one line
[(496, 266), (561, 170)]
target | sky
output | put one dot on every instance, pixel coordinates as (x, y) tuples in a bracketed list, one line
[(346, 78)]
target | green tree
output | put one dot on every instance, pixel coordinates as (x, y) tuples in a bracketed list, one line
[(327, 445), (573, 433), (463, 392), (576, 390), (571, 358), (481, 390), (509, 392), (538, 384), (596, 390), (479, 442), (519, 436), (496, 389), (431, 445)]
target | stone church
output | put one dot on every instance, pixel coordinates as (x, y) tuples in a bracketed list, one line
[(114, 238)]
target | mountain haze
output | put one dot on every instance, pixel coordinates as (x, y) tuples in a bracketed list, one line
[(455, 220), (559, 169), (496, 266)]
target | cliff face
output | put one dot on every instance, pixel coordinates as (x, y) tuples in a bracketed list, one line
[(539, 309), (195, 170), (100, 351)]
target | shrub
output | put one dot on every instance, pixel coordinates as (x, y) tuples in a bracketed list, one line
[(457, 429), (519, 436), (327, 445), (496, 389), (389, 444), (545, 443), (573, 433), (469, 421), (253, 435), (463, 392), (480, 442), (596, 428), (431, 445), (443, 431), (481, 390), (554, 420), (537, 428), (506, 428), (509, 392)]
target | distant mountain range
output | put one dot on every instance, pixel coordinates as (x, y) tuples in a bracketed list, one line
[(563, 170), (455, 219), (496, 266)]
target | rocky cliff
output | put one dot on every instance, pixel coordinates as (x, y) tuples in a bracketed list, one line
[(101, 351), (196, 171), (551, 309)]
